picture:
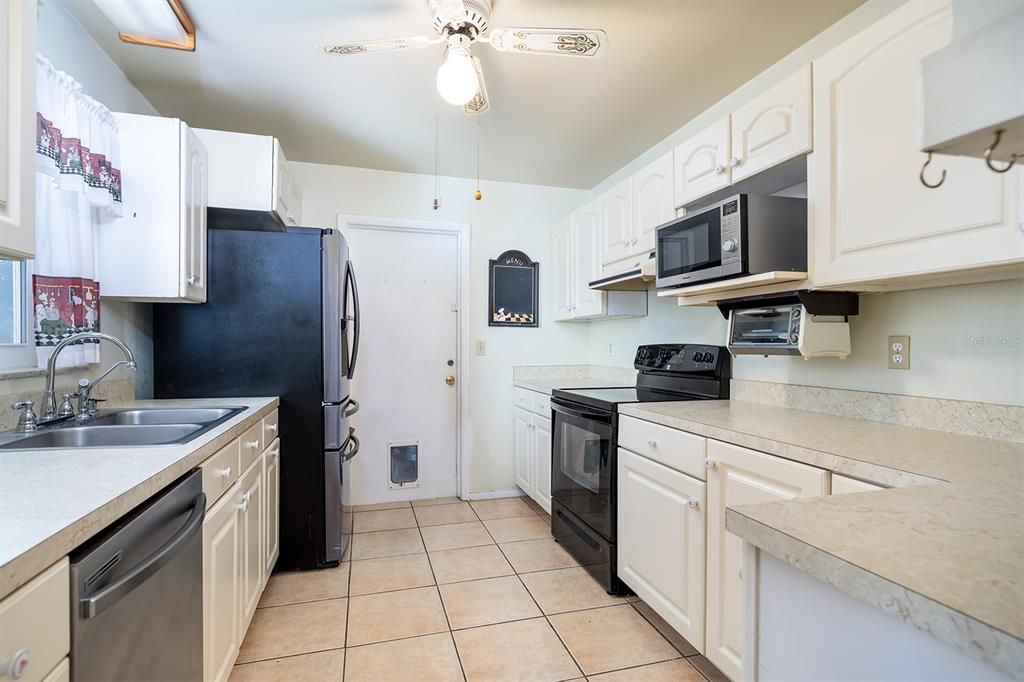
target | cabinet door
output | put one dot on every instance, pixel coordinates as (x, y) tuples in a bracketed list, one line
[(586, 237), (523, 460), (701, 164), (661, 541), (872, 218), (772, 128), (285, 195), (195, 170), (221, 594), (251, 534), (272, 490), (17, 129), (616, 207), (652, 202), (542, 462), (740, 476), (562, 271)]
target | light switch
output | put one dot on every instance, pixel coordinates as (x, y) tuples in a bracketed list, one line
[(481, 347)]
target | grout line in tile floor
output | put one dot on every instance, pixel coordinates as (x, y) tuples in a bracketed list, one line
[(437, 588)]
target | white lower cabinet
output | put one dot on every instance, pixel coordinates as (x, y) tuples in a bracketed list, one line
[(661, 541), (240, 546), (532, 459), (738, 476), (35, 626), (221, 579), (251, 538)]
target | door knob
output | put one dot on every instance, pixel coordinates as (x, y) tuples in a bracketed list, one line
[(450, 380)]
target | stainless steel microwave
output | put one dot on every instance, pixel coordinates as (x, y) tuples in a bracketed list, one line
[(746, 234)]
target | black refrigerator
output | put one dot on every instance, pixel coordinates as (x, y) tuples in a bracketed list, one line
[(281, 318)]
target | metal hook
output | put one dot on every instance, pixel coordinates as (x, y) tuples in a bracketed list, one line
[(942, 178), (988, 155)]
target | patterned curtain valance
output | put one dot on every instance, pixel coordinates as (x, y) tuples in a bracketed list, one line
[(76, 140)]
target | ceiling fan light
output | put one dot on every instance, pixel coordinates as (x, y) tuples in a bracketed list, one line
[(457, 81)]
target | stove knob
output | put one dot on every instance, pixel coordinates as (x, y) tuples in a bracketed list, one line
[(793, 338)]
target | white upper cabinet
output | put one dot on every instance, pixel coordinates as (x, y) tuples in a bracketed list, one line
[(157, 250), (17, 129), (873, 220), (652, 202), (586, 236), (701, 163), (617, 237), (250, 173), (772, 128), (562, 270)]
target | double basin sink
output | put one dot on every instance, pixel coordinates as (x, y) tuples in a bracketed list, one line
[(130, 427)]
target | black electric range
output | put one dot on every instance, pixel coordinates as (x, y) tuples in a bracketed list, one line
[(584, 438)]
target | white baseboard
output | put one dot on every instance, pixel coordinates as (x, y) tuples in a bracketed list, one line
[(495, 494)]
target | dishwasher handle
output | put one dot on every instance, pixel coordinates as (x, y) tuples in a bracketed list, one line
[(93, 606)]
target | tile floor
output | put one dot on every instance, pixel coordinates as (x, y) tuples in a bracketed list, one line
[(451, 590)]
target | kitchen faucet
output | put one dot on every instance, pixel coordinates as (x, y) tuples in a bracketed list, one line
[(85, 386)]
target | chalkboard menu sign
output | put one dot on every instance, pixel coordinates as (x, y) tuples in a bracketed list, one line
[(513, 291)]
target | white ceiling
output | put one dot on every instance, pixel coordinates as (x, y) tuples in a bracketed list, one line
[(566, 122)]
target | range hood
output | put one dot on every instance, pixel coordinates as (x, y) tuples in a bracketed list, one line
[(639, 276), (974, 87)]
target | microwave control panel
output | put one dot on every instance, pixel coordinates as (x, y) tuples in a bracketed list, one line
[(730, 213)]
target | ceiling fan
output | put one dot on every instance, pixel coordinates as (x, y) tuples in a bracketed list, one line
[(460, 23)]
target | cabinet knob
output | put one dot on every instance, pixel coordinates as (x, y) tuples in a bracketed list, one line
[(225, 472), (244, 506), (653, 443), (692, 503), (14, 667), (735, 161), (192, 280), (709, 463), (719, 169), (272, 428), (252, 444), (275, 453)]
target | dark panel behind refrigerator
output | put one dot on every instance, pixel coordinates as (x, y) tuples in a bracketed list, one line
[(259, 334)]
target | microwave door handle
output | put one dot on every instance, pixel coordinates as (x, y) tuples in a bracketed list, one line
[(93, 606)]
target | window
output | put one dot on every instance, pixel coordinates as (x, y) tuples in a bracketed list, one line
[(17, 343)]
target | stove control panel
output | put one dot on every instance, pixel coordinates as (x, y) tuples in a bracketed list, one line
[(678, 357)]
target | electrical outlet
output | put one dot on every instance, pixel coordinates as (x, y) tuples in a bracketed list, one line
[(481, 347), (899, 352)]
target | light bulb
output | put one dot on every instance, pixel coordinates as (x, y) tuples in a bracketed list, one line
[(456, 79)]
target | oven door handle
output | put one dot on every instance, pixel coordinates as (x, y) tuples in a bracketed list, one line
[(603, 417)]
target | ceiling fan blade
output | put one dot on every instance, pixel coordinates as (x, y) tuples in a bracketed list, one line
[(390, 45), (561, 42), (480, 103)]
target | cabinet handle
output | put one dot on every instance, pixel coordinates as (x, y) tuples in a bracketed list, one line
[(709, 463), (692, 503), (735, 161), (252, 444), (15, 665), (225, 472), (719, 169), (272, 428), (652, 443)]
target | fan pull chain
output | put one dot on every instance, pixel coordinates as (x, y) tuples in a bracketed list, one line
[(478, 195), (437, 158)]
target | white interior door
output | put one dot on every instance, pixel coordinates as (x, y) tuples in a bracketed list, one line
[(409, 290)]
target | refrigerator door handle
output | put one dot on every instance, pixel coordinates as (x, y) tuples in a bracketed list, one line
[(353, 407), (350, 279), (353, 440)]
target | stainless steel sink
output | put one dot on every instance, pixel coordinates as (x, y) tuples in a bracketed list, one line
[(125, 428), (168, 415)]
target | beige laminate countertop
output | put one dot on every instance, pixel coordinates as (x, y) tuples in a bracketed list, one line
[(943, 551), (52, 501), (546, 378)]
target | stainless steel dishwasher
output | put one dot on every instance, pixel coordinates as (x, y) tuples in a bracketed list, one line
[(137, 592)]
